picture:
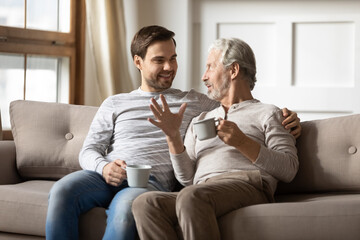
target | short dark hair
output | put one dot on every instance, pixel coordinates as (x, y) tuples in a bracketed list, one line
[(146, 36)]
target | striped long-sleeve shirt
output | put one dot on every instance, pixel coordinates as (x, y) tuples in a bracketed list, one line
[(120, 130)]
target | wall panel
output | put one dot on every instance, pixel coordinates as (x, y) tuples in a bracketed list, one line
[(308, 52)]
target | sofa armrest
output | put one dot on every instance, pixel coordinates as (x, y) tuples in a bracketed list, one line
[(8, 170)]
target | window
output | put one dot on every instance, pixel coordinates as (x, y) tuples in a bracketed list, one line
[(41, 52)]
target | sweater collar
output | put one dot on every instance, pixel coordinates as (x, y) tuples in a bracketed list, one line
[(152, 94), (236, 106)]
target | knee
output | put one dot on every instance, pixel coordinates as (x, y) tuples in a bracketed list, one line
[(143, 203), (189, 198), (151, 203), (188, 194), (59, 191), (65, 188), (59, 198)]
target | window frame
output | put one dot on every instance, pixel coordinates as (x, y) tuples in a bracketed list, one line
[(49, 43)]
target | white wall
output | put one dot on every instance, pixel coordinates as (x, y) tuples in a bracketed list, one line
[(308, 52), (279, 31), (172, 14)]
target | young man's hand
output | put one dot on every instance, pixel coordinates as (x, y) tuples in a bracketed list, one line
[(114, 172), (292, 122)]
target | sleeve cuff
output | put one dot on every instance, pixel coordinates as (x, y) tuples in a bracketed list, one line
[(100, 167), (260, 160), (178, 156)]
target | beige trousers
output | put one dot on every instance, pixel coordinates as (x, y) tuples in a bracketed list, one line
[(196, 208)]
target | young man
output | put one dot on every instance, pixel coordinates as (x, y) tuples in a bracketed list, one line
[(120, 135), (240, 167)]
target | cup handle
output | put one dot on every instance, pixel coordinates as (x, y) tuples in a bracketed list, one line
[(125, 171)]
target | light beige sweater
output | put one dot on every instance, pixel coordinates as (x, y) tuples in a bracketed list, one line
[(277, 159)]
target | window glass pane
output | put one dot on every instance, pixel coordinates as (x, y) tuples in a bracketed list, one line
[(63, 80), (64, 16), (12, 13), (47, 79), (50, 15), (11, 83), (42, 14)]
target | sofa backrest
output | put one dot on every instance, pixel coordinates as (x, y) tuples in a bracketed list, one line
[(48, 137), (329, 156)]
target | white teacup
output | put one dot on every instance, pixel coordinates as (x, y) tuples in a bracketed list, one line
[(206, 129), (138, 175)]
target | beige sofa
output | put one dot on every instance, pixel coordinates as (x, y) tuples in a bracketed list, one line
[(323, 202)]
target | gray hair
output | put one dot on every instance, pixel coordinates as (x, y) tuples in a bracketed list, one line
[(236, 50)]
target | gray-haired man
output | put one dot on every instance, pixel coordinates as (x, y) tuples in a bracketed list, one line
[(239, 167)]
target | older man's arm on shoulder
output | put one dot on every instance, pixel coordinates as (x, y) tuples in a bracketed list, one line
[(291, 122)]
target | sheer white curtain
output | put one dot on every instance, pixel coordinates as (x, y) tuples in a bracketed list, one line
[(107, 40), (1, 134)]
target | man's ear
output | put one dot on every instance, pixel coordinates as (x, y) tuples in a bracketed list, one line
[(234, 70), (138, 62)]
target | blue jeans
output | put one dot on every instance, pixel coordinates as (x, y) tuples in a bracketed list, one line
[(78, 192)]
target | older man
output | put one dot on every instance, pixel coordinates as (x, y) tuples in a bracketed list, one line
[(239, 167)]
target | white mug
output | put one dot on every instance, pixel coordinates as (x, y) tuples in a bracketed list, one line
[(138, 175), (206, 129)]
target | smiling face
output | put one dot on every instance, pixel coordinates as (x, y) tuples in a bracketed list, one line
[(159, 66), (216, 78)]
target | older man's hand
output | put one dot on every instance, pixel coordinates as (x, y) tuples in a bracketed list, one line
[(292, 122)]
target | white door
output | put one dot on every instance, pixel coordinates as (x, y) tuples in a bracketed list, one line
[(307, 52)]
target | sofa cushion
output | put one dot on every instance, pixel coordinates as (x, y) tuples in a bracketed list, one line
[(329, 156), (303, 216), (24, 207), (15, 236), (48, 137)]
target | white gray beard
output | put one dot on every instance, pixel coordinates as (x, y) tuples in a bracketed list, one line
[(218, 94)]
